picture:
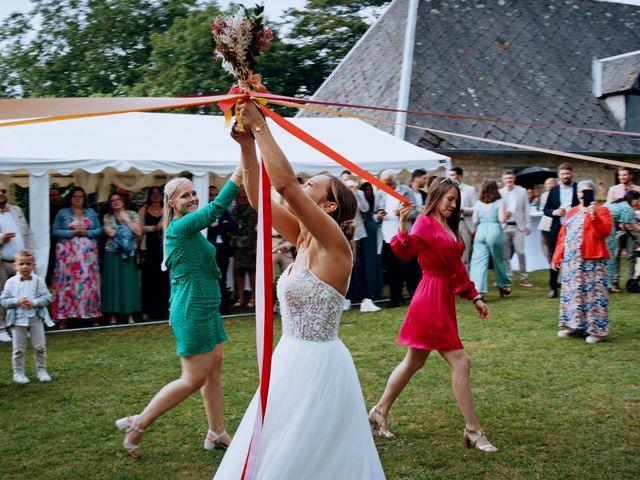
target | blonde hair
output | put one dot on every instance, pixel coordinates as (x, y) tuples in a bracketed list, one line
[(26, 253), (170, 190)]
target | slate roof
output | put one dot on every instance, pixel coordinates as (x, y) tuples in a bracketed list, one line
[(619, 73), (511, 59), (370, 73)]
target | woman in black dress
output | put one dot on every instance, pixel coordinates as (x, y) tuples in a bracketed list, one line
[(155, 282)]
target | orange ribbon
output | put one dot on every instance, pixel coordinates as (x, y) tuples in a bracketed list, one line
[(245, 87)]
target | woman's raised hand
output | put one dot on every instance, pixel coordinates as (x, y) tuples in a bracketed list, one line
[(250, 115), (243, 138), (403, 213), (405, 210)]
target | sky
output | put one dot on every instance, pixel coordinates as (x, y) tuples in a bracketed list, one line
[(273, 8)]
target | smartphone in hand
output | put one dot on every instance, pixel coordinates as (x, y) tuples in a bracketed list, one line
[(587, 197)]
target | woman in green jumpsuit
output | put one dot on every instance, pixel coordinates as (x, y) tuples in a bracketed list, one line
[(489, 214), (194, 313)]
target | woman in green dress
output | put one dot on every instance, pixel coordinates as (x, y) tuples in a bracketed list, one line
[(120, 277), (489, 215), (194, 314)]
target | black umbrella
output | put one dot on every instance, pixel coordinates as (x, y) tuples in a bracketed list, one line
[(530, 176)]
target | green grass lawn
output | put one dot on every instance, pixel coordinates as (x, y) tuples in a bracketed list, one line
[(557, 408)]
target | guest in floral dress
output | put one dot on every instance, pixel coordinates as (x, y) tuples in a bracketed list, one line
[(120, 280), (623, 214), (582, 253), (76, 284)]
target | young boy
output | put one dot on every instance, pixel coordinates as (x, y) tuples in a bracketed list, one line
[(25, 297)]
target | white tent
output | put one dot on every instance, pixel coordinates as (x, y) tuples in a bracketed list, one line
[(175, 143)]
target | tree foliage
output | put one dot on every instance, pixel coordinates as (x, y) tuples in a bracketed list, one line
[(81, 47), (164, 47), (324, 31)]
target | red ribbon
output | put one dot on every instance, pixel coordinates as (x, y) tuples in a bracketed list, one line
[(332, 154), (268, 96), (264, 312)]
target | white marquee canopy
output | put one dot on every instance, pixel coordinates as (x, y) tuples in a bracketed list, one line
[(175, 143), (198, 144)]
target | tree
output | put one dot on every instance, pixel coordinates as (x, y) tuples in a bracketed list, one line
[(82, 47), (165, 47), (323, 32)]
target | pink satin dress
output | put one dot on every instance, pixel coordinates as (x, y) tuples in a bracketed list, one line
[(431, 322)]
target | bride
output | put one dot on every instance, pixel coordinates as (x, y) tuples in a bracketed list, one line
[(316, 424)]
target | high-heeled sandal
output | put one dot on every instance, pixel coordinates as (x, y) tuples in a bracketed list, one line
[(504, 291), (215, 440), (478, 440), (129, 424), (379, 423)]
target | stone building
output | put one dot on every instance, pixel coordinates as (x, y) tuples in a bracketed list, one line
[(561, 62)]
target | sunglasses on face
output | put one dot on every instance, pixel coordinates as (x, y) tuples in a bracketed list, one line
[(2, 190)]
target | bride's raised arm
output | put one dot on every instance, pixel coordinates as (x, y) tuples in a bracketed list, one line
[(313, 216), (283, 221)]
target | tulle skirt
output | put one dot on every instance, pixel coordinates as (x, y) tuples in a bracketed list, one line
[(316, 425)]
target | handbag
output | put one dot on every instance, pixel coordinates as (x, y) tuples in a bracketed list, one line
[(545, 223)]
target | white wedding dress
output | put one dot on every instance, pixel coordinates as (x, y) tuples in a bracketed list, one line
[(316, 425)]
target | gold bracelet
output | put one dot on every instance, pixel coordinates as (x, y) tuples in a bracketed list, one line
[(247, 170), (259, 128)]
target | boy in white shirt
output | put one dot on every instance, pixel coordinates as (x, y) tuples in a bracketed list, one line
[(25, 298)]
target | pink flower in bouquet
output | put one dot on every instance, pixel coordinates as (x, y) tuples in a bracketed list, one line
[(263, 39), (240, 38)]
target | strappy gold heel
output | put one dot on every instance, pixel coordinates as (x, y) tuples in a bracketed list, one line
[(478, 440), (129, 424), (379, 423)]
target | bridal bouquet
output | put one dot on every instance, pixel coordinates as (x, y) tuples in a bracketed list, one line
[(240, 39)]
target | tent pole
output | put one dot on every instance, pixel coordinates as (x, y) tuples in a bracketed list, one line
[(39, 220)]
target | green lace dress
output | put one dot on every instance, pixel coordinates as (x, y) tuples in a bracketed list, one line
[(195, 293)]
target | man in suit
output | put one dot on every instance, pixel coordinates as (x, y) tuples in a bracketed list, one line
[(561, 199), (468, 198), (516, 206), (14, 236)]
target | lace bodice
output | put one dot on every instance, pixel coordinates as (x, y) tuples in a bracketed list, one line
[(310, 308)]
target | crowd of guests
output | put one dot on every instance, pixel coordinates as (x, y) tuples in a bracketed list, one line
[(107, 267)]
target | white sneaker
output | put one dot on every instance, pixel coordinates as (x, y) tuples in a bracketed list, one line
[(4, 336), (564, 333), (593, 339), (346, 305), (368, 306), (20, 378), (43, 376)]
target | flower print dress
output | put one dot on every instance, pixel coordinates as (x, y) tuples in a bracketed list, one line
[(76, 283), (584, 297)]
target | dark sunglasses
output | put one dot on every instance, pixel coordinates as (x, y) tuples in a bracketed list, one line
[(2, 190)]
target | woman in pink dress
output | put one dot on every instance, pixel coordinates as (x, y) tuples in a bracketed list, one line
[(431, 322)]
